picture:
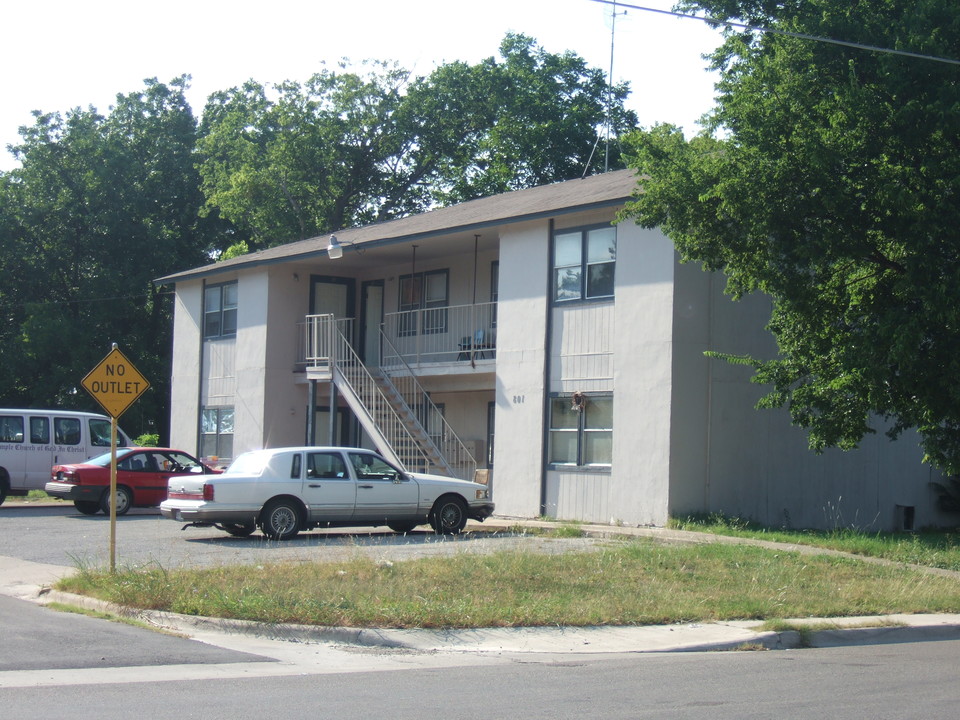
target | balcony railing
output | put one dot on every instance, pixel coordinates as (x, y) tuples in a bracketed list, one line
[(459, 333), (318, 338), (456, 454)]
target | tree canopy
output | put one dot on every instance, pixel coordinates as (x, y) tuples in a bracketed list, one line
[(827, 177), (345, 149), (103, 203), (101, 206)]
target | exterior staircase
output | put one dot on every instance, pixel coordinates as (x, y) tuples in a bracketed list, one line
[(395, 411)]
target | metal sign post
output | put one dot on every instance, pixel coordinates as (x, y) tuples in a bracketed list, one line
[(113, 494), (116, 384)]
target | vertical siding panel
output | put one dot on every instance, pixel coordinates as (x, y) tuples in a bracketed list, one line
[(582, 359)]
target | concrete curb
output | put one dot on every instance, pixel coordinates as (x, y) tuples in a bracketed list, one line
[(695, 637)]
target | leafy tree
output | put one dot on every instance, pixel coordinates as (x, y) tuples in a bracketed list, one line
[(539, 117), (304, 162), (346, 149), (827, 177), (101, 205)]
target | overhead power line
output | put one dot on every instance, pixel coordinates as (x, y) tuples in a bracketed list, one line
[(774, 31)]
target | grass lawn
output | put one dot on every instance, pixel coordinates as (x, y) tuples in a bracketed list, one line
[(33, 496), (635, 582), (940, 549)]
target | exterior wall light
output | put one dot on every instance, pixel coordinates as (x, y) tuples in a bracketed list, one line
[(334, 248)]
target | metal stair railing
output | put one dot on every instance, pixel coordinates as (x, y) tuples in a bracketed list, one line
[(392, 429), (454, 453)]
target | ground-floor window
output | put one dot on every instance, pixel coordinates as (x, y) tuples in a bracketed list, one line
[(216, 432), (581, 430)]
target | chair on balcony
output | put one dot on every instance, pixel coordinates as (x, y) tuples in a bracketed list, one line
[(475, 346)]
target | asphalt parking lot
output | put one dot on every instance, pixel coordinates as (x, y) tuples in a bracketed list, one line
[(56, 534)]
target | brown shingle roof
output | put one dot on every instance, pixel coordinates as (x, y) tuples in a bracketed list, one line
[(612, 188)]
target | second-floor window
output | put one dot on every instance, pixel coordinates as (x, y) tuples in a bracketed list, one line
[(427, 293), (583, 264), (220, 310)]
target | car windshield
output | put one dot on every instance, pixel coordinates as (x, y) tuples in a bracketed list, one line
[(104, 460), (250, 463)]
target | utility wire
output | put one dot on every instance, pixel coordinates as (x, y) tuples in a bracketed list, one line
[(773, 31)]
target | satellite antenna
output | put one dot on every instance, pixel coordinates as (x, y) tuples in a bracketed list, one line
[(608, 122), (613, 35)]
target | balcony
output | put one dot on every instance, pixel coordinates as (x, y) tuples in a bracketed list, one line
[(454, 334)]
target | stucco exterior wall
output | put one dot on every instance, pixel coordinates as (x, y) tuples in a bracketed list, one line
[(643, 381), (285, 400), (760, 466), (689, 442), (251, 343), (521, 334), (185, 372), (467, 413)]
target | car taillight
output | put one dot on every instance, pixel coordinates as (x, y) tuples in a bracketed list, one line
[(207, 491)]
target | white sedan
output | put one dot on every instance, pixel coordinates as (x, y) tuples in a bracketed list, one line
[(285, 490)]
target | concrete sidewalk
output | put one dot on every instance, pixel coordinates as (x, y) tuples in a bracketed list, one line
[(32, 581), (694, 637)]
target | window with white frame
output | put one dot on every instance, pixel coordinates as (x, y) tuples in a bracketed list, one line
[(581, 430), (584, 262), (216, 432), (424, 298), (220, 310)]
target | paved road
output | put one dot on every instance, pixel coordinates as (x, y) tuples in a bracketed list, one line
[(35, 638), (903, 682)]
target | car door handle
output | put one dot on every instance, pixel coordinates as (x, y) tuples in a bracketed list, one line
[(366, 487), (314, 485)]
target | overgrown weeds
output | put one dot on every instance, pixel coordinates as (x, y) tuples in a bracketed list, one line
[(634, 583)]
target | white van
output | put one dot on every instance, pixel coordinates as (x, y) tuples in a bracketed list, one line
[(33, 441)]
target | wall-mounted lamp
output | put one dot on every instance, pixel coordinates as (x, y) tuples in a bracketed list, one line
[(334, 248)]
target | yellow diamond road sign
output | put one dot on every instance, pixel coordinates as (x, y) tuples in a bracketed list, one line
[(115, 383)]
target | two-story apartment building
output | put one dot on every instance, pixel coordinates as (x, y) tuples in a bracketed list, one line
[(534, 338)]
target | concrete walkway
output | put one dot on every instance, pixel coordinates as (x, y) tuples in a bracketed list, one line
[(32, 581)]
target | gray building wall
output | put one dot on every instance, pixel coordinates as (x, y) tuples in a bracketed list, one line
[(730, 458)]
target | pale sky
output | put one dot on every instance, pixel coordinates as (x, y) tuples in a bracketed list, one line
[(61, 54)]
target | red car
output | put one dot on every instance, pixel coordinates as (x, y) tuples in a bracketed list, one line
[(142, 475)]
